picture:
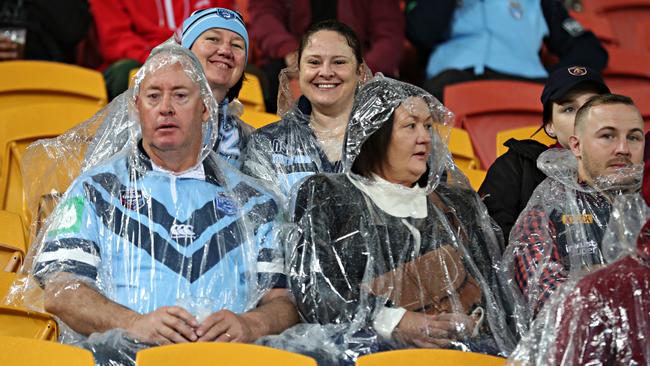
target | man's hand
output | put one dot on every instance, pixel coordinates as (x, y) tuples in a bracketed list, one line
[(226, 326), (166, 325), (432, 331)]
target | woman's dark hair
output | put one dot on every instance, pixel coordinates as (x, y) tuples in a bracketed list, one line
[(334, 26), (234, 91), (373, 151)]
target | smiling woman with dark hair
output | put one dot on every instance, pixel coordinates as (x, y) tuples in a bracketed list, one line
[(309, 137)]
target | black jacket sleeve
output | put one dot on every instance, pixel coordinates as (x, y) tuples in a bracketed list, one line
[(428, 22), (569, 41)]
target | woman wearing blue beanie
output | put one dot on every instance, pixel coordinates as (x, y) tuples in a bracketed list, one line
[(218, 37)]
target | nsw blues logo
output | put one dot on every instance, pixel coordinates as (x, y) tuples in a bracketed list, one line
[(132, 199), (226, 205)]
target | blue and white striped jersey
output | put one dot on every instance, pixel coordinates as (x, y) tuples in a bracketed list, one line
[(147, 238)]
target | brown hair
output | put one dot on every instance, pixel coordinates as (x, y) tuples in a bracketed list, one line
[(604, 99), (335, 26)]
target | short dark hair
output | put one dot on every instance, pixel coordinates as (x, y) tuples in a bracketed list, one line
[(373, 153), (603, 99), (335, 26)]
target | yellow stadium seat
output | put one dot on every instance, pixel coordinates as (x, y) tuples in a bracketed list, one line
[(461, 148), (21, 322), (12, 242), (29, 82), (251, 94), (16, 351), (427, 357), (522, 133), (258, 119), (7, 280), (475, 177), (223, 354), (21, 126)]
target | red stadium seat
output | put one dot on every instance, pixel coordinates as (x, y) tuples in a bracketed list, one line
[(627, 67), (641, 96), (624, 15), (484, 108), (600, 26)]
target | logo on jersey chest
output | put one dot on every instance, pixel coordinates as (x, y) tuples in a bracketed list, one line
[(226, 204), (182, 231), (132, 199)]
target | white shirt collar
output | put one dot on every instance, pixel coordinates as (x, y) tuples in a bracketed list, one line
[(394, 199), (198, 172)]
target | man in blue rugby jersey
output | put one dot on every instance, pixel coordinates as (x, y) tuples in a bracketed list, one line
[(164, 240)]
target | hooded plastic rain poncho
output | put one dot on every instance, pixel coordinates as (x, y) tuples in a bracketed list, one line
[(602, 318), (366, 251), (145, 238), (559, 233), (285, 152), (49, 166)]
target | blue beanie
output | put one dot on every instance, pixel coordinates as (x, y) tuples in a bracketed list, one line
[(202, 20)]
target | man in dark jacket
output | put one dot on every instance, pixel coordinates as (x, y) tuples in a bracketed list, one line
[(513, 177)]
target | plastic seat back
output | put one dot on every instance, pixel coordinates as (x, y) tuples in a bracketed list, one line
[(251, 94), (258, 119), (427, 357), (21, 126), (16, 351), (484, 108), (624, 15), (641, 96), (21, 322), (627, 67), (460, 146), (29, 82), (523, 133), (600, 26), (12, 241), (227, 354)]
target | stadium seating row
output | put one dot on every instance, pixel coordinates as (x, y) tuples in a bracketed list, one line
[(20, 351)]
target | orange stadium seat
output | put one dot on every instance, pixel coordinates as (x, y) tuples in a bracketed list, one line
[(426, 357), (16, 351), (484, 108), (29, 82), (21, 126), (522, 133), (258, 119), (627, 67), (12, 242), (228, 354), (598, 25), (624, 15), (641, 96)]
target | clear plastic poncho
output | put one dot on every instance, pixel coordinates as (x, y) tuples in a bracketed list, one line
[(144, 237), (50, 165), (558, 235), (603, 317), (285, 152), (368, 253)]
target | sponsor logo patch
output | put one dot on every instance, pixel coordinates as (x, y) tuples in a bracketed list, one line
[(577, 70), (67, 217), (182, 231), (578, 219), (572, 27), (226, 204)]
